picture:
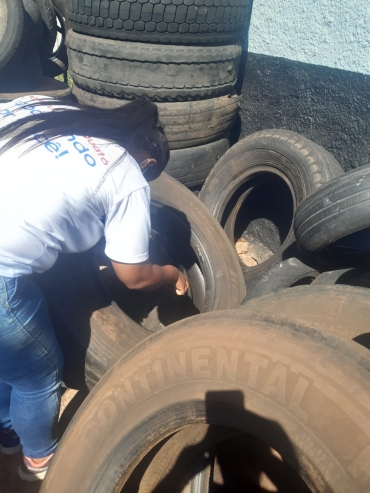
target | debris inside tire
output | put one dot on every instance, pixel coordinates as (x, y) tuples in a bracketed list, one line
[(252, 252)]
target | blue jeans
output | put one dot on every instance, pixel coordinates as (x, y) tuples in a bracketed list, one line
[(31, 364)]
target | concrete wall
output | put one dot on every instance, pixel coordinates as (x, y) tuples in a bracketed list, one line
[(308, 70), (332, 33)]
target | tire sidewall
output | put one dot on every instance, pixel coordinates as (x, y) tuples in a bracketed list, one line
[(244, 166), (139, 403), (224, 281)]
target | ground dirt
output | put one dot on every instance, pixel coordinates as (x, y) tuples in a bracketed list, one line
[(9, 480)]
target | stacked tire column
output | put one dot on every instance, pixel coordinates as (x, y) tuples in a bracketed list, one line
[(182, 54)]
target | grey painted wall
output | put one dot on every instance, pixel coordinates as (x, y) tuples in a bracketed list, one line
[(333, 33)]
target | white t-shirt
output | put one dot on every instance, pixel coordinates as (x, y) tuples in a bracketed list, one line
[(64, 195)]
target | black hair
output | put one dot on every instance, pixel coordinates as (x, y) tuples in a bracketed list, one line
[(135, 125)]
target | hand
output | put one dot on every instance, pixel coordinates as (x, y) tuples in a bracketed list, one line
[(182, 284)]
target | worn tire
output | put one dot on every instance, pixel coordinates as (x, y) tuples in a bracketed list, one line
[(187, 124), (57, 63), (291, 272), (186, 235), (33, 36), (27, 38), (50, 26), (349, 277), (61, 5), (293, 161), (219, 264), (192, 166), (344, 309), (161, 73), (93, 332), (176, 22), (11, 28), (266, 378), (337, 211)]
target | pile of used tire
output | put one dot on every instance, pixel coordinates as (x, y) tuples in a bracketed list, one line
[(242, 385), (182, 54), (273, 395), (291, 212), (32, 48)]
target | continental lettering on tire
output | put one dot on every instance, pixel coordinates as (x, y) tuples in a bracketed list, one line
[(268, 376), (273, 379)]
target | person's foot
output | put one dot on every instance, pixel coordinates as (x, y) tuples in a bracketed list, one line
[(9, 442), (29, 470)]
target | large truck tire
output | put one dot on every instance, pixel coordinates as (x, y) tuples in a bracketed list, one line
[(162, 21), (158, 72), (303, 392), (191, 166), (256, 186), (187, 123)]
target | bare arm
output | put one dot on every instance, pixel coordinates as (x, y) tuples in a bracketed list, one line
[(147, 276)]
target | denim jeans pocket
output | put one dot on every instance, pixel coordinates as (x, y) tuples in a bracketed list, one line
[(9, 291)]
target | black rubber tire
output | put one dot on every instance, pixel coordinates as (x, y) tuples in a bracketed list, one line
[(33, 36), (338, 210), (92, 332), (291, 272), (61, 5), (187, 124), (298, 162), (11, 28), (349, 277), (344, 309), (192, 166), (177, 21), (223, 277), (187, 225), (158, 72), (57, 64), (303, 392), (23, 68), (50, 27)]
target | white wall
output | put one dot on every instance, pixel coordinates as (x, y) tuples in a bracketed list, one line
[(333, 33)]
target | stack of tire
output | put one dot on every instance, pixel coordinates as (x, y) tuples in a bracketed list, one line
[(272, 396), (254, 191), (200, 400), (181, 54), (28, 31), (285, 195)]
